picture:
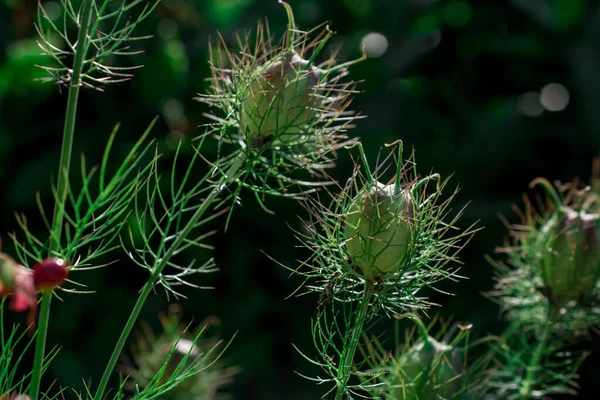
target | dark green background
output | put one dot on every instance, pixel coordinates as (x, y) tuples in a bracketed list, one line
[(448, 86)]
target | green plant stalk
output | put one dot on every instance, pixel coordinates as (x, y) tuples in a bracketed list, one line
[(61, 189), (228, 178), (355, 334), (533, 365)]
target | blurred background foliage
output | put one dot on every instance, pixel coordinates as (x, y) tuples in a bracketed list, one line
[(494, 92)]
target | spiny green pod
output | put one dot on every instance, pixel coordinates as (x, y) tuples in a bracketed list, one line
[(189, 358), (378, 229), (430, 370), (570, 266), (280, 101)]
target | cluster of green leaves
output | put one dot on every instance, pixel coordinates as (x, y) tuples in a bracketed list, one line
[(96, 210), (14, 343)]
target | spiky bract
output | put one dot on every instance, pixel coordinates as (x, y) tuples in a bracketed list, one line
[(429, 256), (286, 114), (184, 365), (553, 261), (424, 367)]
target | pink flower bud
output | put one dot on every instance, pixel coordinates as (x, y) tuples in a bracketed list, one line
[(16, 280), (50, 273)]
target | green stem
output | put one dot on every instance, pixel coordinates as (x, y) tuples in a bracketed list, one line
[(61, 189), (349, 351), (228, 178), (533, 366)]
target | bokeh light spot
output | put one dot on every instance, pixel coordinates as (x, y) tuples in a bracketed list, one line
[(554, 97), (167, 29), (173, 110), (529, 104), (375, 44), (457, 12), (173, 138), (52, 9)]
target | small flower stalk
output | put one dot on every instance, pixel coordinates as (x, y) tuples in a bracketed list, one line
[(285, 112)]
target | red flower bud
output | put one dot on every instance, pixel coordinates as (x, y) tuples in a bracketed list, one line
[(50, 273)]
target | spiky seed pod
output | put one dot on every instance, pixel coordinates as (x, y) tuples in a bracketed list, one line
[(378, 229), (424, 367), (553, 268), (429, 369), (50, 273), (393, 235), (280, 101), (570, 267), (187, 355), (282, 111)]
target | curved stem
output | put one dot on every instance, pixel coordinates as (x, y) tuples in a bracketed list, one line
[(351, 344), (533, 365), (61, 189), (228, 178)]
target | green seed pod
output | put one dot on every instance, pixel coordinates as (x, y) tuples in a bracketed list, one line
[(570, 266), (378, 230), (429, 370), (280, 101)]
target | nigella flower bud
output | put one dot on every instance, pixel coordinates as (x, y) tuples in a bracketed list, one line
[(429, 369), (378, 230), (280, 101), (50, 273), (570, 267)]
